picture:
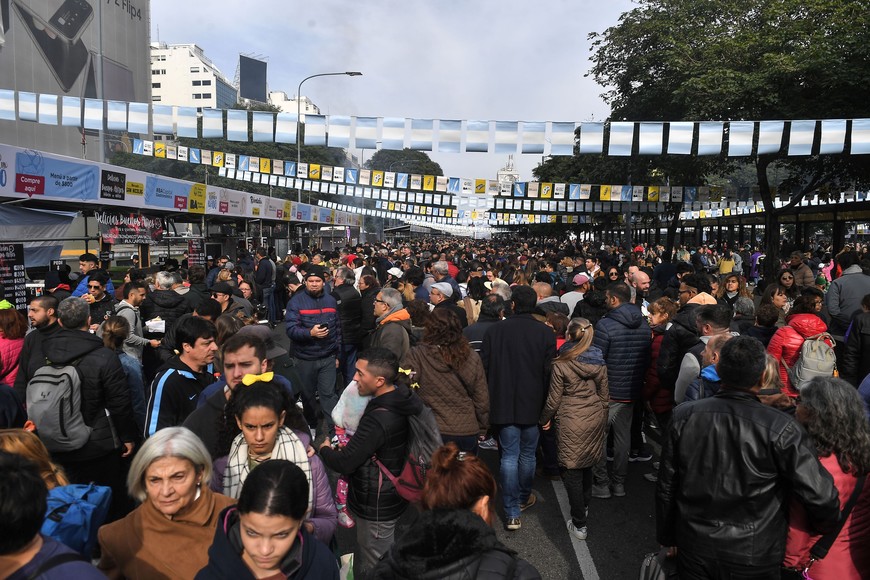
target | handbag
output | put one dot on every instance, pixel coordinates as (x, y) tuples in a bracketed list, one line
[(657, 566), (823, 545)]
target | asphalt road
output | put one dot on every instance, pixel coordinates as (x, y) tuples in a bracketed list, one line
[(621, 530)]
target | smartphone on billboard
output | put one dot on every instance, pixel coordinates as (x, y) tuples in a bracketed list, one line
[(65, 59), (64, 18)]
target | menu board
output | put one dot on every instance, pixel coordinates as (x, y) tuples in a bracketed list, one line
[(196, 252), (12, 275)]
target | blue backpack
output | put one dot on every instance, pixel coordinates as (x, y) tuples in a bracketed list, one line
[(75, 513)]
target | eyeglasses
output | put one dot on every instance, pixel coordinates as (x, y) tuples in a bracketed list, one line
[(613, 274), (94, 286), (787, 278), (379, 300)]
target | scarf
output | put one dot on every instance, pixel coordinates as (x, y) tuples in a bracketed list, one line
[(287, 446)]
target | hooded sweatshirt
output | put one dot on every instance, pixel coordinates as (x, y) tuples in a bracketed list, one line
[(451, 545), (307, 559), (173, 395), (705, 386)]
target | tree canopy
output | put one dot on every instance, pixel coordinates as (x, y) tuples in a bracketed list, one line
[(404, 161), (672, 60)]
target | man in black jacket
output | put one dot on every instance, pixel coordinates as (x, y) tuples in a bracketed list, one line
[(382, 433), (42, 313), (729, 468), (492, 309), (517, 354), (264, 278), (105, 404), (349, 304)]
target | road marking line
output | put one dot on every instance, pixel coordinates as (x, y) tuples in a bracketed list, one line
[(581, 549)]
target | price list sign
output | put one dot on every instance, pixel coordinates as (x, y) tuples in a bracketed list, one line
[(196, 252), (12, 275)]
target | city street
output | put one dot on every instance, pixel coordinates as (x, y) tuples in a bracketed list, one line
[(621, 530)]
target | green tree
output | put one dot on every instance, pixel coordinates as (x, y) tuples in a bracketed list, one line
[(673, 60), (404, 161)]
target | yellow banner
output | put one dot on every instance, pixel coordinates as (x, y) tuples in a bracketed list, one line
[(196, 198), (546, 191), (217, 159), (265, 165), (605, 193), (428, 183), (378, 178), (160, 149), (287, 211), (480, 186), (653, 193)]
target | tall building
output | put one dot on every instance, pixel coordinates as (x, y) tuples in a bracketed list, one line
[(182, 75), (288, 105)]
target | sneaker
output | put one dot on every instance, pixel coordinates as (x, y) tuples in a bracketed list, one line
[(345, 520), (513, 524), (488, 444), (639, 456), (618, 490), (529, 502), (653, 477), (600, 492), (579, 533)]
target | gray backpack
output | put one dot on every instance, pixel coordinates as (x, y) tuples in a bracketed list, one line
[(54, 405), (816, 359)]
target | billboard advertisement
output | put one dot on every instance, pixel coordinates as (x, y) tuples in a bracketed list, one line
[(252, 79), (76, 48)]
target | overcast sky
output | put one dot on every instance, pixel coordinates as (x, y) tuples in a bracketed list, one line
[(507, 60)]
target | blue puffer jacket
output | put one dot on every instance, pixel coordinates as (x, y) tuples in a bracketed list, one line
[(624, 337), (304, 312)]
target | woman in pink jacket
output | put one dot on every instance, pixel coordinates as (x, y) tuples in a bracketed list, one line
[(13, 327), (833, 414)]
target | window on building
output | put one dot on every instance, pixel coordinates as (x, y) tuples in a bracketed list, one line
[(194, 69), (206, 95), (206, 83), (155, 71), (156, 98), (197, 95), (155, 85), (197, 83)]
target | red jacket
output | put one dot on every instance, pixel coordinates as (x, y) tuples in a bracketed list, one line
[(10, 353), (785, 345), (849, 557), (660, 400)]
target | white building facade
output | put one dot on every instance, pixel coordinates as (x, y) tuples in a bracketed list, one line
[(288, 105), (182, 75)]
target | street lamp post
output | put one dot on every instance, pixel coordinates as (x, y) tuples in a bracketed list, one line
[(299, 118)]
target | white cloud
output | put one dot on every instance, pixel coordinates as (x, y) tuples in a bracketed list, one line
[(441, 59)]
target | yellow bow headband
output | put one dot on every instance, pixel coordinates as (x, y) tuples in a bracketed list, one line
[(249, 380)]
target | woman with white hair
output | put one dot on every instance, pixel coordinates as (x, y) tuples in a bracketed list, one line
[(168, 535)]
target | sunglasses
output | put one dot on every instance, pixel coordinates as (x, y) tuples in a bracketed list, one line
[(94, 286), (613, 274), (787, 278)]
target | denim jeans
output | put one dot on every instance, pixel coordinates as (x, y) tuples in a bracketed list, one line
[(517, 470), (319, 375), (347, 362), (619, 424), (269, 301)]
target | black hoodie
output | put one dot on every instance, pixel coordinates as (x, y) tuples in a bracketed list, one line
[(169, 305), (451, 545), (382, 431), (307, 559)]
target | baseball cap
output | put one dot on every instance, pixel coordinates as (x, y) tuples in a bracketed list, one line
[(222, 288), (315, 270), (444, 288), (581, 279)]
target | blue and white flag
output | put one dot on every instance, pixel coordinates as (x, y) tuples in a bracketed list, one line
[(137, 121), (621, 139), (533, 137), (237, 125), (48, 109), (740, 135), (339, 131), (421, 134), (285, 128), (212, 124), (366, 133), (770, 137), (506, 137), (94, 114), (71, 112), (393, 134), (186, 122), (562, 138), (650, 138), (449, 135), (591, 138), (7, 104), (800, 139), (680, 137), (477, 136), (833, 136), (116, 118), (710, 138)]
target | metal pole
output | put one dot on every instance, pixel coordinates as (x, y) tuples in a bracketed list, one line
[(299, 119)]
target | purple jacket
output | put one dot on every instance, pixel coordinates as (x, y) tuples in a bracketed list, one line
[(322, 514)]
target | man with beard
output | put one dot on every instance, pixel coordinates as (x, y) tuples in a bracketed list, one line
[(43, 321), (314, 327)]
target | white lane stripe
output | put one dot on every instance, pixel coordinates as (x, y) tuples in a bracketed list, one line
[(581, 549)]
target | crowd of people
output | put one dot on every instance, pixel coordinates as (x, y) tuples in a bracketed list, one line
[(231, 454)]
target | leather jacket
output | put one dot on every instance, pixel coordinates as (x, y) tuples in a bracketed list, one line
[(729, 468)]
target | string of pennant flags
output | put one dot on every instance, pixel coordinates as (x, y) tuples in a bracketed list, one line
[(429, 190), (556, 138)]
